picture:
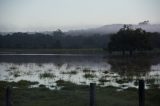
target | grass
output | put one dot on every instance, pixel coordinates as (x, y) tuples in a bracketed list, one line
[(47, 75), (42, 86), (19, 84), (24, 83), (64, 83), (76, 95)]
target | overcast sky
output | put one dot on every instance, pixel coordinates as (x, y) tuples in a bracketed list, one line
[(41, 15)]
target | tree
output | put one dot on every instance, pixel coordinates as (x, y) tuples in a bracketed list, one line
[(58, 32), (128, 39)]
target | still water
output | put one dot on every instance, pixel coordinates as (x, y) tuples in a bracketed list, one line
[(121, 72)]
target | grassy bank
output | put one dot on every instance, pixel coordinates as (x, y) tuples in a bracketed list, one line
[(74, 95)]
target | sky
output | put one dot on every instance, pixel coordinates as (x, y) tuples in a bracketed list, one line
[(49, 15)]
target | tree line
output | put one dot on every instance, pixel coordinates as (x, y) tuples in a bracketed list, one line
[(57, 40), (126, 39)]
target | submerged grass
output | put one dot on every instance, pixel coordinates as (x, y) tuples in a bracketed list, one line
[(47, 75), (15, 73), (121, 81), (86, 70), (13, 67), (102, 80), (63, 83), (73, 72), (89, 75), (106, 72)]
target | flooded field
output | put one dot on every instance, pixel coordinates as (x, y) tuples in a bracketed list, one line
[(50, 69)]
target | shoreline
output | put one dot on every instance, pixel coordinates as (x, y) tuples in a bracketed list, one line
[(75, 52), (52, 51)]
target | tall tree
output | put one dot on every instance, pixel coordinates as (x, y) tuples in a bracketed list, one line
[(128, 39)]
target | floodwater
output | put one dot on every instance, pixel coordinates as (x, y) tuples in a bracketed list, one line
[(121, 72)]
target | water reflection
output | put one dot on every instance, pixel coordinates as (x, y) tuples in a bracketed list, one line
[(81, 69)]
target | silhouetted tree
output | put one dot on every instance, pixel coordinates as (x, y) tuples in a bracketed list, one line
[(127, 39)]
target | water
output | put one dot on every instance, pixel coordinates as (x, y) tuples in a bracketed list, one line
[(121, 72)]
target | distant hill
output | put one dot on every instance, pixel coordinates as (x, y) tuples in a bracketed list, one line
[(108, 29)]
